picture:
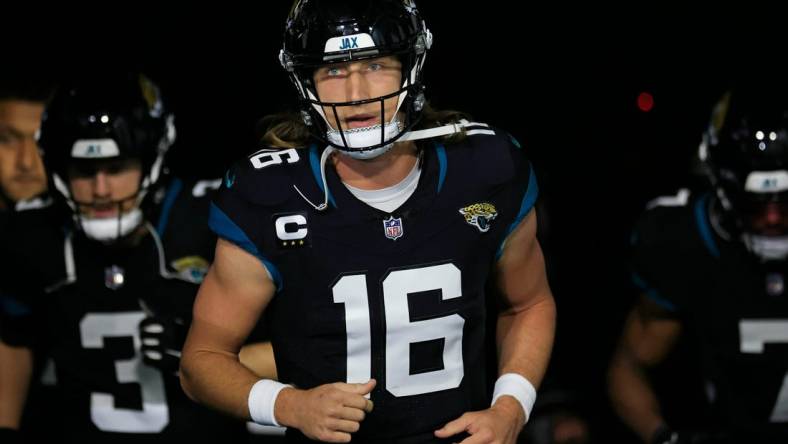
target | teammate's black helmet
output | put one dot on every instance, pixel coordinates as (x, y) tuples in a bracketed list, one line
[(98, 119), (745, 155)]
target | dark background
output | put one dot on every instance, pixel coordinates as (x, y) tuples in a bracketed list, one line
[(564, 82)]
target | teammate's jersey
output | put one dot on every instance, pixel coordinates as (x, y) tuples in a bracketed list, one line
[(398, 296), (92, 299), (40, 421), (737, 310)]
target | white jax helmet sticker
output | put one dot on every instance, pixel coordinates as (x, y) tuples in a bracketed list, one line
[(348, 42), (94, 149), (767, 181), (291, 230)]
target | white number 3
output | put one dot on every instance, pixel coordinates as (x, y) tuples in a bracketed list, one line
[(154, 416)]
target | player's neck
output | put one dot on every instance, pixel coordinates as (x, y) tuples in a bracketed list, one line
[(381, 172)]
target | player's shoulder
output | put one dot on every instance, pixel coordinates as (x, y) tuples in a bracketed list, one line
[(181, 220), (36, 223), (190, 195), (678, 221), (488, 152), (33, 241), (266, 176)]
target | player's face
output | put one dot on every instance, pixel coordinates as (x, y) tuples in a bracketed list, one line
[(353, 81), (21, 169), (768, 219), (103, 188)]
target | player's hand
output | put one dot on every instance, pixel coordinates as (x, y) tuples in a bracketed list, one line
[(162, 340), (501, 423), (329, 412)]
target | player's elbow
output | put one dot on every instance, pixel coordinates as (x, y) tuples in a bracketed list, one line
[(188, 383)]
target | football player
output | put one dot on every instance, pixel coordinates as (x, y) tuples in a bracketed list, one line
[(366, 231), (106, 278), (713, 265)]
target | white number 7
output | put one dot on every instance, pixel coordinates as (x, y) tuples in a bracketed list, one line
[(754, 334)]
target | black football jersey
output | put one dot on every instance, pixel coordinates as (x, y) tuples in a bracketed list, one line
[(737, 309), (362, 293), (87, 311)]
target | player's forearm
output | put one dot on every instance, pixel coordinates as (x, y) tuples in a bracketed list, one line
[(632, 396), (16, 368), (218, 380), (259, 358), (525, 339)]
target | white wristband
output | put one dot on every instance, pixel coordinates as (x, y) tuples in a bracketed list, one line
[(262, 397), (517, 387)]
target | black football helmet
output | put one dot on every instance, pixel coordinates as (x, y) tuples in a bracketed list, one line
[(745, 154), (97, 119), (324, 32)]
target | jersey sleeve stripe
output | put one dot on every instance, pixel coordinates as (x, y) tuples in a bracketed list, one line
[(704, 227), (529, 199), (169, 201), (225, 228), (441, 151), (13, 308), (652, 294)]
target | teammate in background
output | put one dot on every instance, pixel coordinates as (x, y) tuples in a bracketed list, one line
[(105, 280), (713, 265)]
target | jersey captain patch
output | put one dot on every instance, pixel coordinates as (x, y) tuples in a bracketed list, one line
[(291, 230)]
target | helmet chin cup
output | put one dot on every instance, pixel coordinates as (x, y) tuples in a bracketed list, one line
[(365, 143), (369, 154), (111, 229), (767, 248)]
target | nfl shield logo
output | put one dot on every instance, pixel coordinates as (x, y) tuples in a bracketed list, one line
[(114, 277), (393, 228)]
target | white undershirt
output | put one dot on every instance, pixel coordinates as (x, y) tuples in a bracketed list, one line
[(390, 198)]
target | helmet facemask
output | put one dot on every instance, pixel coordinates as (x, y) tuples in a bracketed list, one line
[(404, 37), (106, 128), (745, 151), (105, 220)]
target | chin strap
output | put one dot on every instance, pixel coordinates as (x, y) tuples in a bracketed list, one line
[(429, 133), (444, 130)]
